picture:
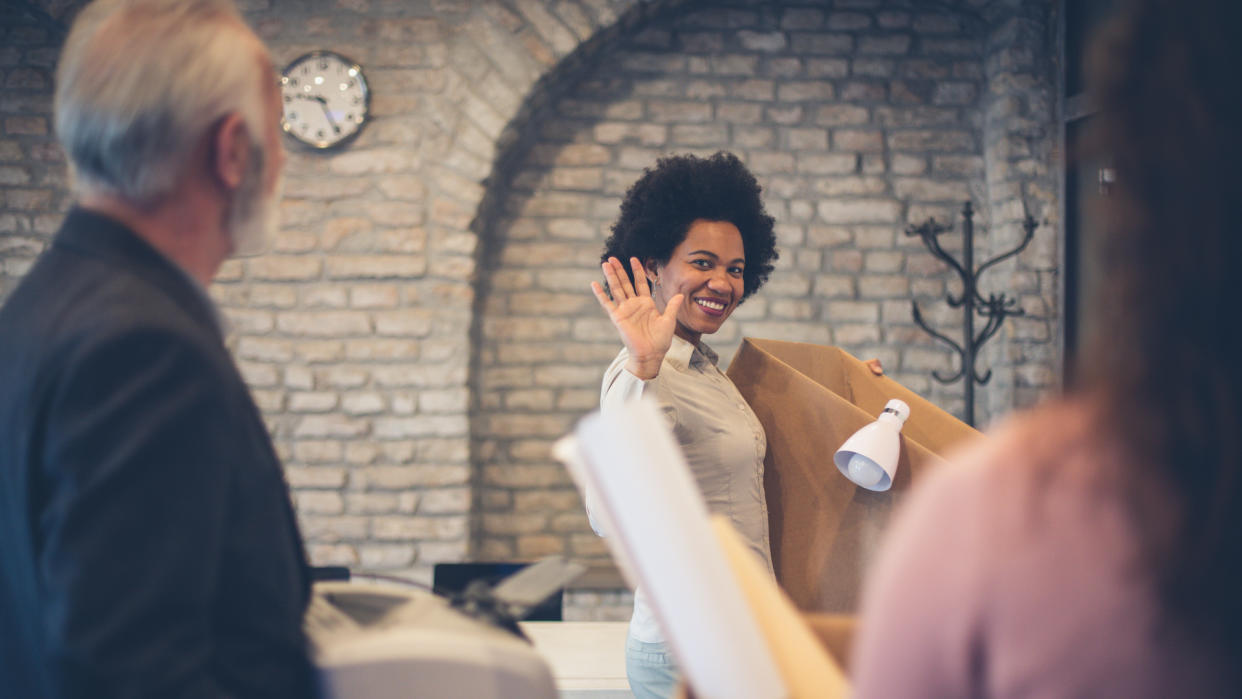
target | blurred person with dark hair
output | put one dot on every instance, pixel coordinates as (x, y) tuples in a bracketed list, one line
[(692, 242), (148, 546), (1091, 548)]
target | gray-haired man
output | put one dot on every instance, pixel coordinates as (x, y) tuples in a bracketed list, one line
[(147, 542)]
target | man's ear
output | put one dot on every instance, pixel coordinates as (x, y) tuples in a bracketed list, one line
[(230, 151)]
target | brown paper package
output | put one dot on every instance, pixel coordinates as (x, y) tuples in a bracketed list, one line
[(824, 529)]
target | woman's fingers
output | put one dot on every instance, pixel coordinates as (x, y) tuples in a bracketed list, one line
[(640, 277), (674, 305), (618, 281), (602, 297), (623, 279), (614, 284)]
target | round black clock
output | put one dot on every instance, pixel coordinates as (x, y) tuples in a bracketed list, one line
[(326, 100)]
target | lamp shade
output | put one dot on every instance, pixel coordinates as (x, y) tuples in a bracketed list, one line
[(869, 457)]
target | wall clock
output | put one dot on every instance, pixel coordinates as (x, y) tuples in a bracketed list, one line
[(325, 98)]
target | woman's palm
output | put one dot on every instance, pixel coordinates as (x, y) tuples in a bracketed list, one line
[(646, 331)]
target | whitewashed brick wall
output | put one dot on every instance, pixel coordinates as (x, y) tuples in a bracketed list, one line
[(422, 329)]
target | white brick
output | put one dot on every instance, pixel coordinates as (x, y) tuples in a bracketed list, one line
[(421, 425), (415, 475), (329, 426), (299, 378), (376, 266), (859, 211), (284, 267), (371, 503), (263, 349), (315, 476), (343, 377), (385, 556), (361, 453), (324, 297), (525, 476), (509, 524), (317, 451), (381, 349), (330, 528), (416, 528), (406, 323), (538, 545), (445, 501), (322, 502), (850, 334), (319, 351), (332, 554), (312, 402), (272, 296), (258, 375), (362, 403), (442, 551), (324, 323), (852, 311), (444, 400)]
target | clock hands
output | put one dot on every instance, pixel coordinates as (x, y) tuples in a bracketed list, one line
[(323, 104)]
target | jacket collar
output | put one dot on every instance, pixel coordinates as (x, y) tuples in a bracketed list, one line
[(94, 235)]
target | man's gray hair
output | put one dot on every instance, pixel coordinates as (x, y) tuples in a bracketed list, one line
[(141, 81)]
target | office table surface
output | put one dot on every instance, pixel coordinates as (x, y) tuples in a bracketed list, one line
[(587, 657)]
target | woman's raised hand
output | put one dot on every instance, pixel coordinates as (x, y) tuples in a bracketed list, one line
[(646, 332)]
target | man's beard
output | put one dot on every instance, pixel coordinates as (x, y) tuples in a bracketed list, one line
[(253, 217)]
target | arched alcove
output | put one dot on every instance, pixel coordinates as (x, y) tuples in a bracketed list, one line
[(859, 118)]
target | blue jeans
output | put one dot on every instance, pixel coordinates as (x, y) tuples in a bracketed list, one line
[(650, 668)]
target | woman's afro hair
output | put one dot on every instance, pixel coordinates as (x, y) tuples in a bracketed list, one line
[(659, 208)]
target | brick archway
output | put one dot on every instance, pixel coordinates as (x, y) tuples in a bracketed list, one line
[(857, 120)]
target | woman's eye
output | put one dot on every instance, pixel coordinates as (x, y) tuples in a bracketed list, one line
[(701, 264), (736, 271)]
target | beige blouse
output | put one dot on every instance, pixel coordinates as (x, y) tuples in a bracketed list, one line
[(721, 439)]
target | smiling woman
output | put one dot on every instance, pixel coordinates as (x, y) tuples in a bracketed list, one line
[(698, 242), (707, 270)]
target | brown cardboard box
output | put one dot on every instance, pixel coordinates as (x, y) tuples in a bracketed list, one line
[(810, 399)]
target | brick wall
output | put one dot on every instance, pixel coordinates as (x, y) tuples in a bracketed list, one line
[(422, 328), (858, 121)]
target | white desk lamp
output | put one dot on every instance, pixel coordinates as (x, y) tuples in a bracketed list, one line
[(869, 457)]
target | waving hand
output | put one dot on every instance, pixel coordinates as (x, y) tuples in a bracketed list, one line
[(646, 332)]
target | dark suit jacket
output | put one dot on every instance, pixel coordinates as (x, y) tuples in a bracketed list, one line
[(147, 542)]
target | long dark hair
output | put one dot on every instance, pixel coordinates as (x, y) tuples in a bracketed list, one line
[(1168, 361)]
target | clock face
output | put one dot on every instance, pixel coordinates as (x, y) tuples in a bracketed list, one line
[(326, 100)]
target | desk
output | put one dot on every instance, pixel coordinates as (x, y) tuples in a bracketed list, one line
[(587, 657)]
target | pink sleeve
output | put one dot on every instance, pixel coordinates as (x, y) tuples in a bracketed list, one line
[(919, 634)]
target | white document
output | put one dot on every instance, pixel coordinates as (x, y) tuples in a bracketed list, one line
[(660, 534), (809, 671)]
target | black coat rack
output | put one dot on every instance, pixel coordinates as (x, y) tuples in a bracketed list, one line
[(996, 307)]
